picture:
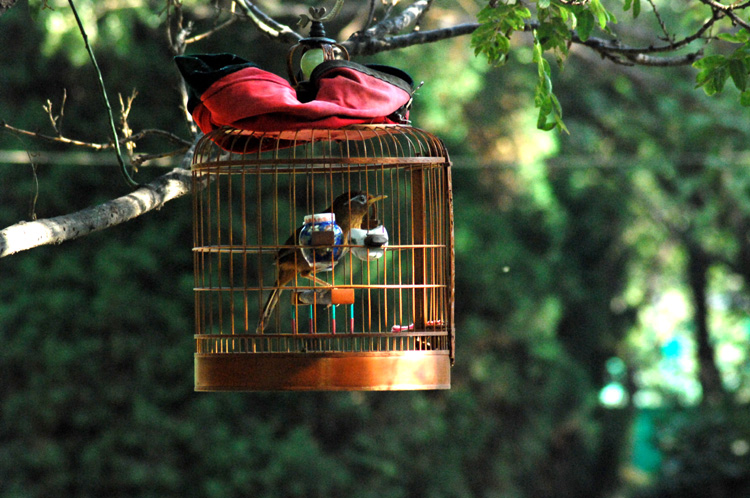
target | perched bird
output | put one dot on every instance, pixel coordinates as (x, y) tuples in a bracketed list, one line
[(350, 209)]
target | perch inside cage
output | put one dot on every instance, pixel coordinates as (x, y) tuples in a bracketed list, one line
[(323, 260)]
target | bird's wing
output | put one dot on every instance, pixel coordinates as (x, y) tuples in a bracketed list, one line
[(285, 253)]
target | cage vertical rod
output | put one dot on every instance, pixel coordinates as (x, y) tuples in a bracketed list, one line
[(418, 227)]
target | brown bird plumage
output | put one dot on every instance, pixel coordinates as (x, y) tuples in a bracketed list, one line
[(350, 209)]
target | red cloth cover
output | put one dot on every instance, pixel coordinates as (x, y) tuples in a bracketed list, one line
[(339, 93)]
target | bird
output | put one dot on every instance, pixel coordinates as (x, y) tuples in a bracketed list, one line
[(350, 209)]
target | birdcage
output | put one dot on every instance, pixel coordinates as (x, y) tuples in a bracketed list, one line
[(367, 298)]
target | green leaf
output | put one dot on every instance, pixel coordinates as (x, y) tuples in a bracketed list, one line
[(635, 4), (709, 62), (600, 12), (543, 4), (585, 24), (717, 80), (497, 23), (550, 111), (738, 71), (745, 98), (728, 37), (741, 36)]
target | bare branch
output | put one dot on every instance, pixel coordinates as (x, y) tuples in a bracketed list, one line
[(140, 159), (126, 105), (162, 133), (5, 5), (399, 23), (729, 11), (93, 145), (648, 60), (659, 19), (211, 31), (359, 45), (616, 47), (58, 139), (177, 35), (57, 120), (370, 15), (28, 235), (267, 25)]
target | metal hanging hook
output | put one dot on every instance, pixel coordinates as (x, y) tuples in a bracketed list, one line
[(319, 14), (318, 46)]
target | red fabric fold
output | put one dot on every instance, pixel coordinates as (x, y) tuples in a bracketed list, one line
[(254, 99)]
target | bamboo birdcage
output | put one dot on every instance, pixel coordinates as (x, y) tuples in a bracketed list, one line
[(380, 323)]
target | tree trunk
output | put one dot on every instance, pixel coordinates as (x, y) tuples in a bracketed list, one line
[(708, 374)]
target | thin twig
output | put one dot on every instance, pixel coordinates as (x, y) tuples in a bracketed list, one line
[(127, 132), (175, 17), (143, 158), (212, 31), (126, 175), (163, 133), (93, 145), (370, 15), (729, 11), (56, 121), (663, 26), (266, 24)]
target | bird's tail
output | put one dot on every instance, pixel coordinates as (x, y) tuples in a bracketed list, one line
[(273, 300)]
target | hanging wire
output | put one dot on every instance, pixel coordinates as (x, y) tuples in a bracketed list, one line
[(123, 169)]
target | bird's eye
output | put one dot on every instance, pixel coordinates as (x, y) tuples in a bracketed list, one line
[(361, 199)]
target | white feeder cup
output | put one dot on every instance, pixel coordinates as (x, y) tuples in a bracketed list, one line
[(373, 242)]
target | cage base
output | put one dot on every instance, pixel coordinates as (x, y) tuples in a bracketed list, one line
[(372, 371)]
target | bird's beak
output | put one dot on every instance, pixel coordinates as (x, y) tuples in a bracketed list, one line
[(373, 200)]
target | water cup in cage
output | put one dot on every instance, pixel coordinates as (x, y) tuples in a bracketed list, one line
[(321, 240), (373, 242)]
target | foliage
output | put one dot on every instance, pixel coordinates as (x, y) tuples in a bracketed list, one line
[(98, 339), (561, 244), (714, 70), (705, 455), (553, 32), (556, 24)]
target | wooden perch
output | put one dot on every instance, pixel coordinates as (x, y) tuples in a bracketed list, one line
[(27, 235)]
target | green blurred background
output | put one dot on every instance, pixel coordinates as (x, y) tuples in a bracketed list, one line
[(583, 264)]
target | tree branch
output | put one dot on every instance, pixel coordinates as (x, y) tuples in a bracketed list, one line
[(360, 45), (621, 54), (375, 39), (212, 31), (392, 26), (5, 5), (267, 25), (729, 11), (27, 235), (97, 146)]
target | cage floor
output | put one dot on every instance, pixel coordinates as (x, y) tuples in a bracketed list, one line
[(371, 371)]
